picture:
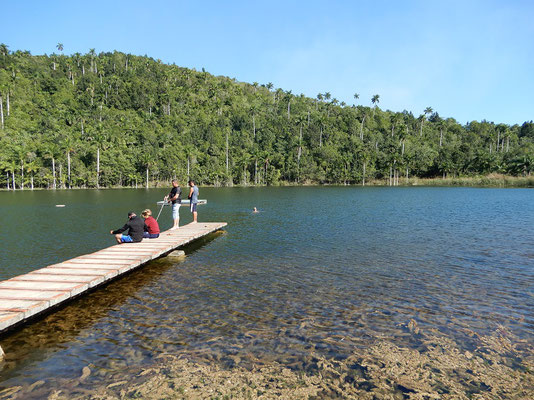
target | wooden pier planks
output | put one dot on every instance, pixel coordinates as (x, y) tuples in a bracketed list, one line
[(25, 296)]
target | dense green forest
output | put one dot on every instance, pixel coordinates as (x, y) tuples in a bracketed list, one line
[(115, 119)]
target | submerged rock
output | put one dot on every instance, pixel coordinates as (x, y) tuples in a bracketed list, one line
[(86, 371)]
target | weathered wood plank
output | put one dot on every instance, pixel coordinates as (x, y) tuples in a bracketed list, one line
[(27, 295)]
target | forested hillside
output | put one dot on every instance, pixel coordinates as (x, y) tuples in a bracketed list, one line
[(115, 119)]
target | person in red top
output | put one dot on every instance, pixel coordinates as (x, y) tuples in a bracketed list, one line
[(152, 230)]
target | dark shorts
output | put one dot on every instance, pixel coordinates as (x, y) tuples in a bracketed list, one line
[(150, 235), (193, 207)]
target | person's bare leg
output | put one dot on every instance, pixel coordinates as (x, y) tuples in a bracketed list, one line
[(195, 217), (118, 237)]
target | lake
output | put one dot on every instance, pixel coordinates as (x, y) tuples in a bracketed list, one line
[(318, 272)]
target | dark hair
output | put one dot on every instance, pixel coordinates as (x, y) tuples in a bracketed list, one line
[(130, 214), (191, 181)]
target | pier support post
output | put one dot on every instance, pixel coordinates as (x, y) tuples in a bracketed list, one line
[(176, 253)]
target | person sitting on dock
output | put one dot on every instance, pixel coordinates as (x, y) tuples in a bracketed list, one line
[(152, 227), (136, 228)]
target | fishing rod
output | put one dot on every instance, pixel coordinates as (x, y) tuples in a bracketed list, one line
[(162, 205)]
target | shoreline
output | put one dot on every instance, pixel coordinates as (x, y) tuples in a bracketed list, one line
[(491, 181)]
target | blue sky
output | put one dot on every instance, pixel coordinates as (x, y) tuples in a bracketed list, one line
[(470, 60)]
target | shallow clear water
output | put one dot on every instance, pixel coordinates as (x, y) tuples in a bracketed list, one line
[(322, 269)]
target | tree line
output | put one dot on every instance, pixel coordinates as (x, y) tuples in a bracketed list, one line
[(115, 119)]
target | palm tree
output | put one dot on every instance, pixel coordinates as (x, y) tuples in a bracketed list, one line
[(361, 125), (60, 46), (4, 49), (423, 117), (301, 120), (254, 109), (9, 167), (69, 148), (265, 155), (21, 153), (319, 99), (356, 96), (99, 138), (375, 100), (256, 154), (288, 104), (322, 124), (50, 151), (395, 120), (443, 125), (91, 89), (146, 161), (12, 167), (190, 152), (421, 120), (93, 54), (365, 156), (1, 112), (32, 168), (243, 162)]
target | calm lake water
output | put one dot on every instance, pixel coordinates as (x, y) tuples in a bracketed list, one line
[(327, 269)]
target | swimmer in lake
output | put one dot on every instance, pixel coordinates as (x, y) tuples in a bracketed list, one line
[(255, 210)]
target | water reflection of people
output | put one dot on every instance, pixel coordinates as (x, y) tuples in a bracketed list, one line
[(151, 225), (255, 210)]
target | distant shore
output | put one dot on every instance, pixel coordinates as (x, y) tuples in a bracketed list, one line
[(492, 180)]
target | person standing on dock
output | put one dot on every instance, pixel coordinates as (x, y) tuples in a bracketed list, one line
[(175, 197), (135, 226), (193, 198)]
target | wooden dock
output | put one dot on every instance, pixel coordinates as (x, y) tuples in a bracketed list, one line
[(28, 295)]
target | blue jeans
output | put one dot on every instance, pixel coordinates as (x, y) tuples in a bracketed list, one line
[(150, 235)]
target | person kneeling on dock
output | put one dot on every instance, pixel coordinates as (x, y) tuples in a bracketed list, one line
[(151, 225), (136, 228)]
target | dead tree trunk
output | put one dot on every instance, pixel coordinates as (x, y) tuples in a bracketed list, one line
[(54, 172), (1, 113), (97, 167)]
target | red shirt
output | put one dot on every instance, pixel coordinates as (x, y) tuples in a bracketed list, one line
[(152, 225)]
